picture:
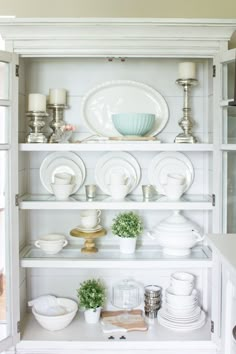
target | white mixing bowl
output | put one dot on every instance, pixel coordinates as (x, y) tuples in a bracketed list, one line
[(55, 323)]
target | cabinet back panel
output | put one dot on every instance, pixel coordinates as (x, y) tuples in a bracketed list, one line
[(79, 75), (64, 282), (41, 222), (199, 160)]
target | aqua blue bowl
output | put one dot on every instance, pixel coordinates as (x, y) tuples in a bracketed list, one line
[(138, 124)]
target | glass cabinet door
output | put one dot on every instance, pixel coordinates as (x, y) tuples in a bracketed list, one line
[(8, 213), (228, 141)]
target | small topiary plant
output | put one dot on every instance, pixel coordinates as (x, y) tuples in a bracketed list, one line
[(127, 225), (91, 294)]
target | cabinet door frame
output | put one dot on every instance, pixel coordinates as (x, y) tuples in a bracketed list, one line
[(12, 245), (226, 57)]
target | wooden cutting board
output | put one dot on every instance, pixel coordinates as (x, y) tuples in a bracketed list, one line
[(135, 322)]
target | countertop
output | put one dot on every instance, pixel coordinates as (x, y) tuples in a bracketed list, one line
[(225, 246)]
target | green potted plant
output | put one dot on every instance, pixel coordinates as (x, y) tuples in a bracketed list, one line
[(127, 226), (92, 296)]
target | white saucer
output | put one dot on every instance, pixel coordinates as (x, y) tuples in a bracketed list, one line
[(93, 229)]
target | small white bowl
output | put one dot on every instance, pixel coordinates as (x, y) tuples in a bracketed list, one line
[(182, 278), (180, 300), (174, 191), (56, 323), (175, 178), (118, 191), (62, 191), (62, 178), (182, 283)]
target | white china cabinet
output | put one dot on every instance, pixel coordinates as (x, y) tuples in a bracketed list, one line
[(80, 55)]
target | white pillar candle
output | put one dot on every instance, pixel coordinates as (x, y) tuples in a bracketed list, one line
[(187, 70), (36, 102), (57, 96)]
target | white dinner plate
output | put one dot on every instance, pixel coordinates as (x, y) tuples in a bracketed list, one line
[(170, 162), (117, 161), (182, 326), (181, 318), (122, 96), (68, 162)]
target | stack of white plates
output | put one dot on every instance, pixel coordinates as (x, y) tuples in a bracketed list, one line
[(62, 162), (181, 312)]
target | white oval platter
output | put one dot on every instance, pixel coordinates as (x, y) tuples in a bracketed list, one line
[(122, 96)]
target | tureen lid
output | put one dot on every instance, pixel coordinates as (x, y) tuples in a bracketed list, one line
[(176, 223)]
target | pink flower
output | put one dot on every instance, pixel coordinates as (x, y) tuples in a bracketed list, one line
[(68, 127)]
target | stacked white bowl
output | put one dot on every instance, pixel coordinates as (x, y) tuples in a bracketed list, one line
[(181, 310), (62, 186)]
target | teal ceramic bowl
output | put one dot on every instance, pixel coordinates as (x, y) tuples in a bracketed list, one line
[(138, 124)]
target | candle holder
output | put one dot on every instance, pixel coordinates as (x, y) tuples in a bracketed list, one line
[(57, 121), (36, 123), (186, 123)]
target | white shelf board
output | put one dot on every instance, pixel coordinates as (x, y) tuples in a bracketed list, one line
[(79, 335), (145, 257), (117, 146), (228, 147), (225, 103), (187, 202), (4, 147)]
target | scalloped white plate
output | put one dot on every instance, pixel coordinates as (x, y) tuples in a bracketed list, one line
[(122, 96)]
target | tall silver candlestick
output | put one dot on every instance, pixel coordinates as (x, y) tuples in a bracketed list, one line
[(36, 123), (186, 123), (57, 121)]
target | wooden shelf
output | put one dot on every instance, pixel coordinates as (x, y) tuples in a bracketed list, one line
[(187, 202), (117, 146), (145, 257)]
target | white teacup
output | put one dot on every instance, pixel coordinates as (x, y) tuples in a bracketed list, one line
[(118, 192), (52, 243), (118, 178), (90, 218), (62, 178), (62, 191), (175, 178)]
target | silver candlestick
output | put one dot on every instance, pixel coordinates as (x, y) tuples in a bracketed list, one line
[(186, 123), (36, 123), (57, 121)]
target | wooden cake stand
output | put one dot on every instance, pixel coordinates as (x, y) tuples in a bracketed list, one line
[(89, 244)]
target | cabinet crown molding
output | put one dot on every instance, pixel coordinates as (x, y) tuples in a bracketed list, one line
[(116, 37)]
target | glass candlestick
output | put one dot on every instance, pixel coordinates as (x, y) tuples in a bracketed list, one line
[(57, 121), (36, 124), (186, 123)]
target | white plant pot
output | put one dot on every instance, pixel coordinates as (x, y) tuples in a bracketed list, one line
[(127, 245), (92, 316)]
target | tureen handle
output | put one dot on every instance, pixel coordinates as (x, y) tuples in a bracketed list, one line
[(152, 235), (199, 237)]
